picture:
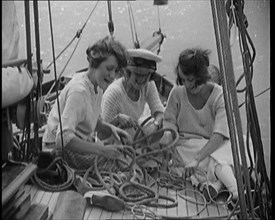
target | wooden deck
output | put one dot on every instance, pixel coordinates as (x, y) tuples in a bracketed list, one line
[(184, 208)]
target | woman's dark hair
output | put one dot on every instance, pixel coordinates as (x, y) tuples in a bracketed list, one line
[(215, 73), (105, 47), (194, 61)]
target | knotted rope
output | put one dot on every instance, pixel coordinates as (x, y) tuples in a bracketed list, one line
[(146, 141)]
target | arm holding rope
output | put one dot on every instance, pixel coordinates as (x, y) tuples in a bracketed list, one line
[(73, 113), (124, 121), (98, 148), (106, 130), (212, 145), (155, 124), (156, 108)]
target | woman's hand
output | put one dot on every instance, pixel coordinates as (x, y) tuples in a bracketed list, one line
[(121, 135), (125, 121), (111, 151), (191, 167), (150, 128), (166, 138)]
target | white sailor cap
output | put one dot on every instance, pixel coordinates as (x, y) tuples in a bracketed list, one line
[(143, 58)]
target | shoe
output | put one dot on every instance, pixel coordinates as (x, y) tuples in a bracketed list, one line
[(232, 204), (105, 200), (223, 197), (80, 186), (209, 192)]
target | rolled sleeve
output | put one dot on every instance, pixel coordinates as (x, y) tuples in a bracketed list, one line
[(153, 99), (221, 122), (72, 114), (171, 112)]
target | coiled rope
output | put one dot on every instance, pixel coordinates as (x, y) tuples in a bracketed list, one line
[(57, 171)]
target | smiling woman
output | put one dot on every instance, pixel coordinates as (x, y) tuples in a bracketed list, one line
[(75, 117)]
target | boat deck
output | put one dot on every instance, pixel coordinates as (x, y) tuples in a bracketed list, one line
[(184, 209)]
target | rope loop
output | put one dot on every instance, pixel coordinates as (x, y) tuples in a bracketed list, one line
[(152, 138), (142, 194), (111, 172), (143, 211), (57, 172)]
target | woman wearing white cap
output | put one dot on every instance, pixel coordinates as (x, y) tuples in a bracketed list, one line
[(124, 101)]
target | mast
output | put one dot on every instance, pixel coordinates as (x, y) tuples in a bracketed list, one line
[(232, 108), (29, 62)]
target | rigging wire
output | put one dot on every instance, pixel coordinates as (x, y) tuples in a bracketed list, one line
[(62, 71), (262, 180), (159, 32), (29, 100), (79, 36), (54, 65), (230, 96), (248, 65), (133, 26), (158, 18), (136, 43), (256, 96), (39, 77), (110, 22), (132, 33)]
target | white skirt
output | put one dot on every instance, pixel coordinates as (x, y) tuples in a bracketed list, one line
[(186, 150)]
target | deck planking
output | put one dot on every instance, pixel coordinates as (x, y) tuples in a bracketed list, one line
[(184, 209)]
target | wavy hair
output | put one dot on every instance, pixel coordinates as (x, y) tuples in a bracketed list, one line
[(194, 61), (103, 48)]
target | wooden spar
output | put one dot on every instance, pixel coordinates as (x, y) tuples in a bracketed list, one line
[(29, 57), (28, 35), (16, 183), (39, 87), (12, 63), (231, 101)]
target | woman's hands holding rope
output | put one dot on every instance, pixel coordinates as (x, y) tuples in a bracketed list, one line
[(121, 135), (112, 151), (191, 167), (125, 121), (166, 138), (150, 128)]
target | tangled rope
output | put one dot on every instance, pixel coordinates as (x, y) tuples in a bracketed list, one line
[(128, 151), (125, 178), (146, 141)]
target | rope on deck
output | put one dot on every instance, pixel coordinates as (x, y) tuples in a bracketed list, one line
[(57, 171)]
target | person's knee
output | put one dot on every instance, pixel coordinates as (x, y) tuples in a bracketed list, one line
[(224, 168), (218, 168), (226, 175)]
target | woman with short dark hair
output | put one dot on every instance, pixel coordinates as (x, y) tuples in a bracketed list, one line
[(80, 103), (196, 109)]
